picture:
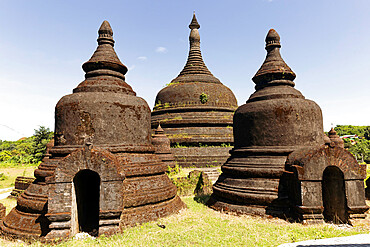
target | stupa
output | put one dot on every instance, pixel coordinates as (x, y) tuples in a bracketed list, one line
[(325, 183), (275, 121), (2, 211), (332, 134), (163, 147), (280, 164), (195, 111), (102, 173)]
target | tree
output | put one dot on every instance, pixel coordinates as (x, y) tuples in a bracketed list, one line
[(41, 137), (351, 130), (359, 147), (29, 150), (367, 133)]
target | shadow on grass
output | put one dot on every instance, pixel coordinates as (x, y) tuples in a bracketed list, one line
[(202, 199)]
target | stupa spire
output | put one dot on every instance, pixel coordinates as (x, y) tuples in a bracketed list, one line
[(203, 108), (195, 68), (105, 34), (104, 70), (274, 71), (194, 23)]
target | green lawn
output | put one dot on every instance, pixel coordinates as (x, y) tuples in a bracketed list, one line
[(201, 226)]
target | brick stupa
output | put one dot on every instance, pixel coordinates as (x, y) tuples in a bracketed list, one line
[(195, 110), (275, 121), (280, 165), (163, 147), (102, 174)]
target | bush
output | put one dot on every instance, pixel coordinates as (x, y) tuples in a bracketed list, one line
[(29, 150), (195, 183)]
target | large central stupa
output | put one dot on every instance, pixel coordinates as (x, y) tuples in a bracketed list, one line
[(195, 111)]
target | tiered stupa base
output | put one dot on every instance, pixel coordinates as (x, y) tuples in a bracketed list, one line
[(103, 173), (20, 185), (147, 195), (201, 156), (250, 182)]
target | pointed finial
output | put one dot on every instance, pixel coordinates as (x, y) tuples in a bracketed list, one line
[(104, 71), (105, 34), (159, 130), (335, 139), (272, 39), (274, 71), (195, 69), (332, 132), (194, 23)]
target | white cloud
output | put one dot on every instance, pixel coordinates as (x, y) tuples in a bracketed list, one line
[(161, 49), (143, 58), (132, 67)]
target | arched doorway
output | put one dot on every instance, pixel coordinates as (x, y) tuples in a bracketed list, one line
[(334, 196), (87, 193)]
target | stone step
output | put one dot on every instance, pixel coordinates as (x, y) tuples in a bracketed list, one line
[(212, 173)]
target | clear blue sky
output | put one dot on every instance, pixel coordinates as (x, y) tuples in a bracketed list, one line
[(44, 43)]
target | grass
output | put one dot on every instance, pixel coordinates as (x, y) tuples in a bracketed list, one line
[(183, 172), (10, 173), (201, 226), (197, 145), (9, 203), (16, 165)]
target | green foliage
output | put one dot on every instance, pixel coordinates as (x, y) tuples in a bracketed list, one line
[(361, 131), (361, 150), (186, 185), (198, 225), (178, 145), (173, 171), (29, 150), (359, 147), (171, 83), (41, 137), (18, 152), (2, 176), (203, 145), (200, 145), (367, 133), (203, 98)]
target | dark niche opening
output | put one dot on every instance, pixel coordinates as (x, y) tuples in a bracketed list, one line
[(334, 196), (87, 189)]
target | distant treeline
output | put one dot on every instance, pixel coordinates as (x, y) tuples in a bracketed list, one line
[(26, 151), (31, 150), (358, 146)]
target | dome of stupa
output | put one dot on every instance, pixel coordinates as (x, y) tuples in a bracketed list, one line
[(195, 108)]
